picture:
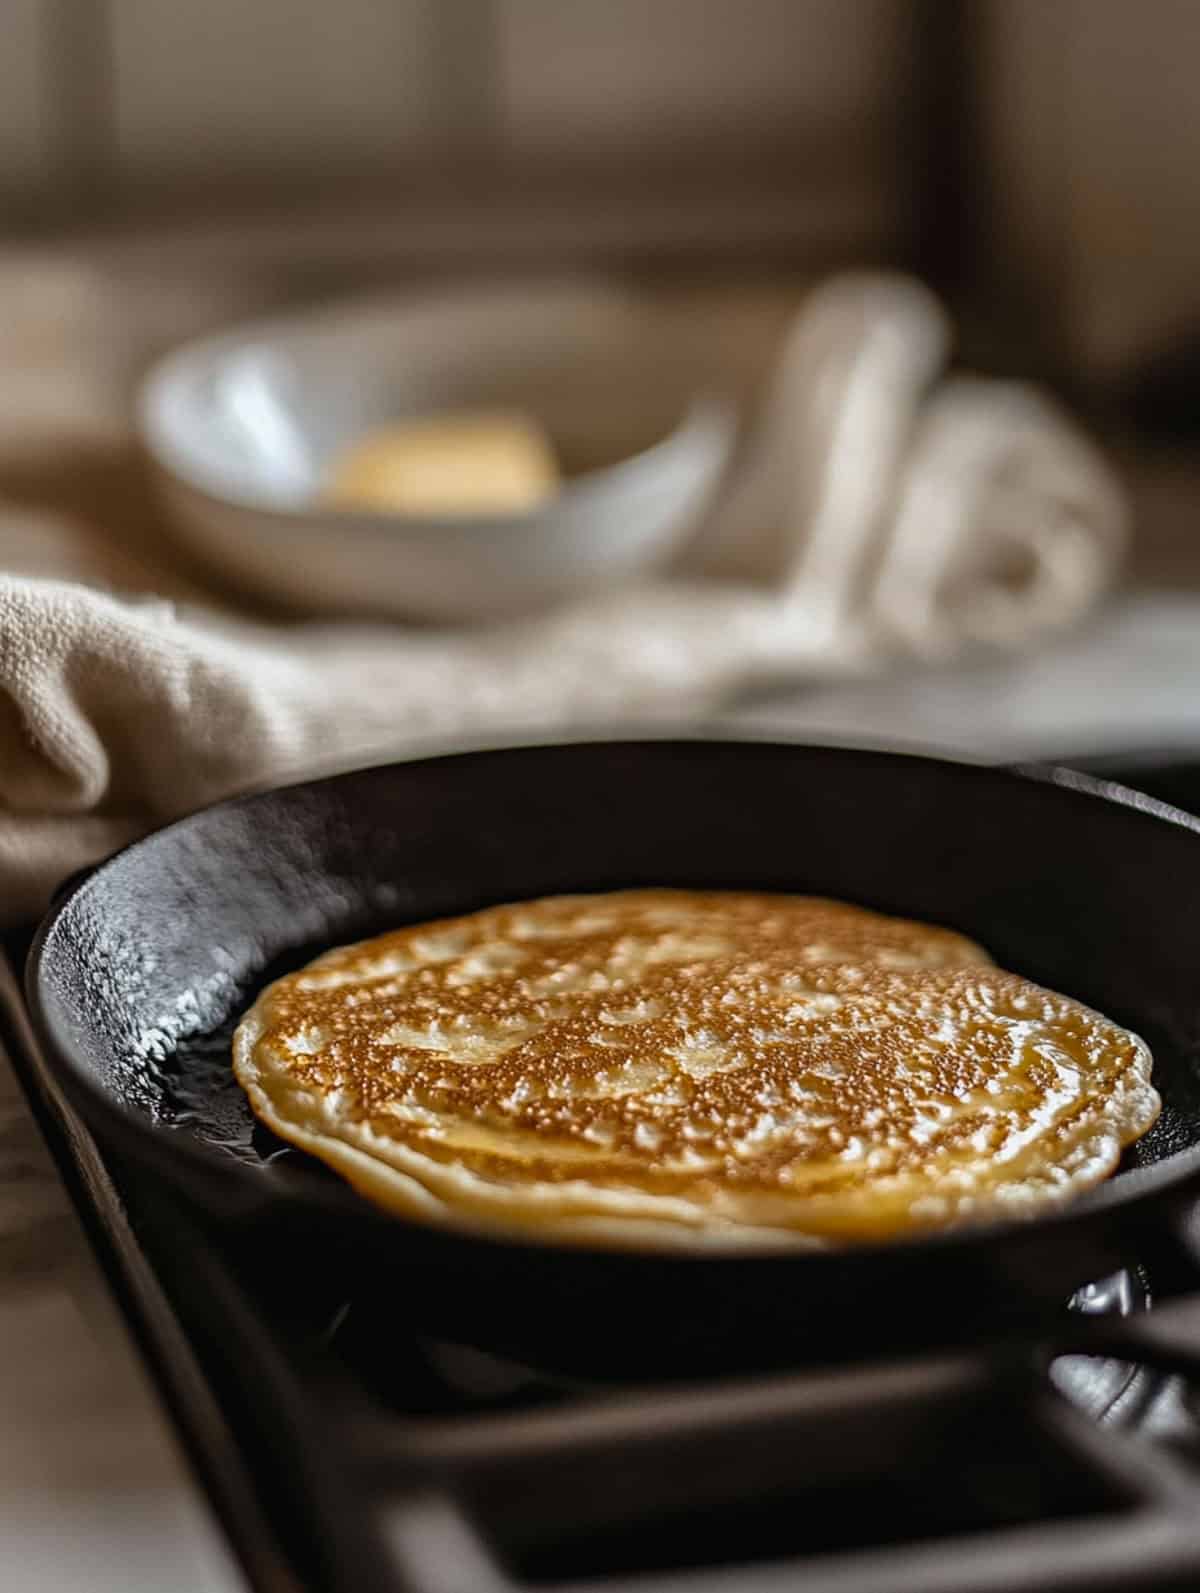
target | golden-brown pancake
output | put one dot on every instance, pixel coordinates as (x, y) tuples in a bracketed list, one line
[(660, 1068)]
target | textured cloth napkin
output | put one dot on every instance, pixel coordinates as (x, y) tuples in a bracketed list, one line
[(877, 510)]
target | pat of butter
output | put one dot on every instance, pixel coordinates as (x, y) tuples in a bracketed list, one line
[(447, 465)]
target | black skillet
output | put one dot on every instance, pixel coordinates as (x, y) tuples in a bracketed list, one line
[(138, 975)]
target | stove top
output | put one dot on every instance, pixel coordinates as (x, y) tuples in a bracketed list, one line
[(344, 1451)]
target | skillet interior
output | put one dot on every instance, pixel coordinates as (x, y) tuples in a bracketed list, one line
[(137, 980)]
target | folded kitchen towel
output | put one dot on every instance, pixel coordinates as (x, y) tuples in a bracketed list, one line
[(876, 512)]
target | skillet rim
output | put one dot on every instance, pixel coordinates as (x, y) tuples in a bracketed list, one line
[(250, 1195)]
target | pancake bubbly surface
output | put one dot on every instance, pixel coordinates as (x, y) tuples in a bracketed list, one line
[(663, 1068)]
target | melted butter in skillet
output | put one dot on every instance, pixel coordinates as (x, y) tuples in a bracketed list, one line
[(660, 1066)]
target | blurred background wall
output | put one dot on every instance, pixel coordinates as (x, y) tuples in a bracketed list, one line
[(1037, 156), (115, 103)]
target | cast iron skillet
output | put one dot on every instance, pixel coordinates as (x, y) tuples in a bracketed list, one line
[(138, 975)]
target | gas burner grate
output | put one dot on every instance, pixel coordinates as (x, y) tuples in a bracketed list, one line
[(437, 1469)]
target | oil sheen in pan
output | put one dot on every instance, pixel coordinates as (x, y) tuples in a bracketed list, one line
[(202, 1098)]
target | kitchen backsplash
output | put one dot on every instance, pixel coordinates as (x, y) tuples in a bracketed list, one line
[(1050, 147), (107, 106)]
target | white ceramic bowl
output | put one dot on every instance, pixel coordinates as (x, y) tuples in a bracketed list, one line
[(243, 427)]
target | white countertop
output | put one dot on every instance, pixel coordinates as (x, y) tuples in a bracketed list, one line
[(1130, 680)]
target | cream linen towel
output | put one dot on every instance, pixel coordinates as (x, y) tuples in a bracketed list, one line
[(874, 515)]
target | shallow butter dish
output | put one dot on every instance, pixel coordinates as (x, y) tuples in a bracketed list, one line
[(244, 428)]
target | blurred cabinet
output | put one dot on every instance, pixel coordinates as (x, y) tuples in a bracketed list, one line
[(482, 102), (1088, 206), (644, 85), (27, 91), (226, 91), (811, 128), (817, 129), (808, 99)]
